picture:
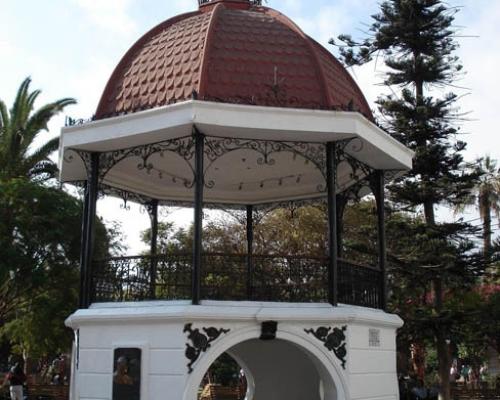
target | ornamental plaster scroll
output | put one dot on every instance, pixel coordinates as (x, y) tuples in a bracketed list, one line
[(200, 342), (333, 339)]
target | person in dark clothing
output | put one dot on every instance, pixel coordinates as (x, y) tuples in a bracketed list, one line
[(15, 379)]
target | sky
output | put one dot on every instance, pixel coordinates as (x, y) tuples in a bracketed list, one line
[(70, 48)]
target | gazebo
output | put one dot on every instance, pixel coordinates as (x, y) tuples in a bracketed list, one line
[(232, 106)]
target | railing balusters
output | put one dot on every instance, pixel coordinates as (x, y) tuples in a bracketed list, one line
[(280, 278)]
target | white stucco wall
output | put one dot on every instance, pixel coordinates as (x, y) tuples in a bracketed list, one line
[(298, 361)]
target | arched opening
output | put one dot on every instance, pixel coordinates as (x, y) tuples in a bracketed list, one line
[(227, 378), (276, 369)]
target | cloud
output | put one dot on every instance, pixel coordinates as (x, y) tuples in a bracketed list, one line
[(481, 58), (110, 15)]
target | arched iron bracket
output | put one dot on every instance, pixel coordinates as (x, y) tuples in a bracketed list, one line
[(183, 147)]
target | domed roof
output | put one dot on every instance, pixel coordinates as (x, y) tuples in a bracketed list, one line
[(230, 51)]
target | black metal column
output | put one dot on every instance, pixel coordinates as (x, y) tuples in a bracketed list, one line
[(382, 251), (331, 183), (249, 252), (90, 209), (198, 215), (153, 213), (341, 205)]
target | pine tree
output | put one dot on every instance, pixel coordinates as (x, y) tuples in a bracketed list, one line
[(416, 40)]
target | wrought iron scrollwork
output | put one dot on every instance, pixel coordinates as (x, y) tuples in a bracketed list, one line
[(183, 147), (200, 342), (77, 121), (124, 195), (216, 147), (333, 339)]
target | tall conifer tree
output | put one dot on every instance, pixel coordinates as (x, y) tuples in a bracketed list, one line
[(416, 39)]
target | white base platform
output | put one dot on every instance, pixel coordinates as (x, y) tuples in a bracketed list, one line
[(296, 365)]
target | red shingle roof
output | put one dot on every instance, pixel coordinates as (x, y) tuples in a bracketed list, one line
[(233, 52)]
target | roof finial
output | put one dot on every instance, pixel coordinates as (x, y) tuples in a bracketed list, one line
[(252, 2)]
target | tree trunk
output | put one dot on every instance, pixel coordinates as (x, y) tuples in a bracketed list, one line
[(430, 218), (440, 330), (485, 209), (444, 363), (418, 360)]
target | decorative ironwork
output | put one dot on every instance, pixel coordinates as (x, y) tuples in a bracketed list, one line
[(224, 277), (183, 147), (128, 278), (268, 330), (334, 340), (77, 121), (253, 2), (200, 342), (359, 285), (125, 195), (216, 147)]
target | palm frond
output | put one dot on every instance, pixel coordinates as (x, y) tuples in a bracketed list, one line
[(40, 119), (19, 128), (4, 117), (43, 171), (19, 110), (41, 154)]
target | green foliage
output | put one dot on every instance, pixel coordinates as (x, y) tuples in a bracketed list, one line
[(39, 259), (225, 371), (39, 264), (19, 128), (39, 245), (416, 40), (38, 242)]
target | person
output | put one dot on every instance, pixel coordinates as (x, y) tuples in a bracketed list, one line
[(15, 379), (453, 373), (483, 376), (465, 374), (420, 392), (473, 378)]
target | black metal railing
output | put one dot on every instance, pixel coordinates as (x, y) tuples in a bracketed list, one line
[(278, 278)]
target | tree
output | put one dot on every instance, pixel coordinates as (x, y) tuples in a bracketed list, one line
[(19, 128), (39, 260), (485, 197), (416, 39), (39, 246)]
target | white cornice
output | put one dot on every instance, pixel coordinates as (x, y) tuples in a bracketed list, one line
[(165, 311)]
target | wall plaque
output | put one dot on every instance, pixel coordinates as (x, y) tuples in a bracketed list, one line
[(127, 374), (374, 337)]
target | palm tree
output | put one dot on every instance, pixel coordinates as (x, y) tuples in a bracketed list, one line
[(19, 128), (485, 197)]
